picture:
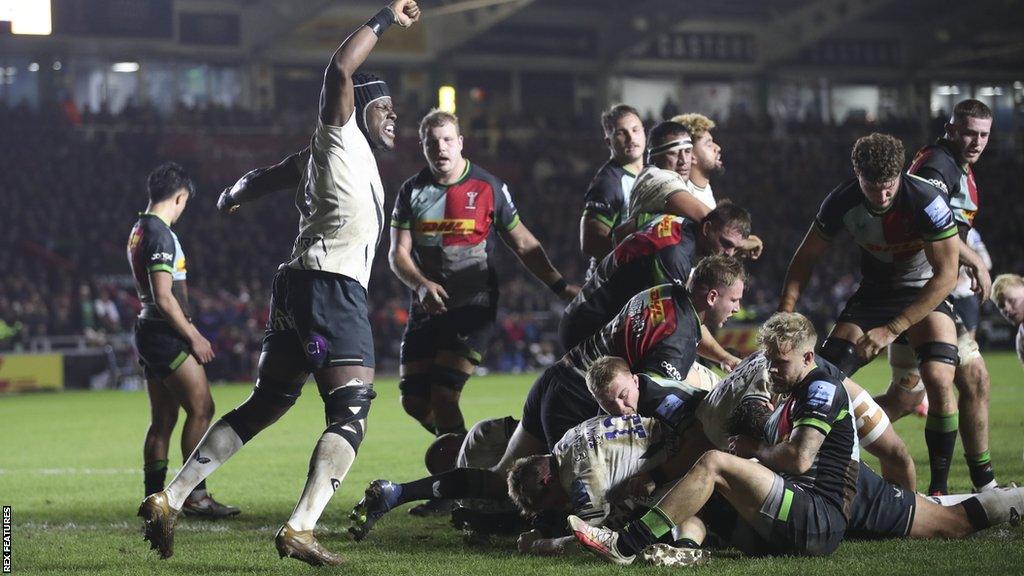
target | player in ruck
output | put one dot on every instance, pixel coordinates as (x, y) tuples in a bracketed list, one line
[(318, 320)]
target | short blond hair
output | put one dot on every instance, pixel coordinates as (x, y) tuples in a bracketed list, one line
[(603, 370), (437, 117), (696, 124), (1002, 283), (787, 328)]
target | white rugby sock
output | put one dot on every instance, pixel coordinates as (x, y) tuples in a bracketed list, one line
[(329, 464), (998, 502), (219, 444)]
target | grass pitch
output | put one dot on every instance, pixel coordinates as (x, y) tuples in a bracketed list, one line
[(70, 468)]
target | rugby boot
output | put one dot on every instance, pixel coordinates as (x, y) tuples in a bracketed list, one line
[(206, 507), (600, 541), (302, 545), (666, 555), (158, 523), (380, 497)]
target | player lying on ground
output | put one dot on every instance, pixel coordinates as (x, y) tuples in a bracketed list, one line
[(657, 330), (587, 474), (805, 479), (1008, 296)]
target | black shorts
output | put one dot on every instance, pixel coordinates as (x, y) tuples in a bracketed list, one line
[(319, 319), (802, 523), (161, 349), (968, 309), (871, 307), (880, 509), (465, 331), (558, 401)]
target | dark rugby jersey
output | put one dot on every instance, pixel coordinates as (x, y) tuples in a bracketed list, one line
[(154, 247), (938, 164), (821, 402), (451, 230), (656, 332), (662, 252), (607, 198), (892, 242)]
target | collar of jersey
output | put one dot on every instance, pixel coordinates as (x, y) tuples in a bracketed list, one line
[(465, 174), (947, 145), (157, 216)]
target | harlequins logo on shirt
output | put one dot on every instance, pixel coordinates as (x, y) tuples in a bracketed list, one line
[(471, 200)]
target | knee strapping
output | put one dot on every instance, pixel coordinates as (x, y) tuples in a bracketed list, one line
[(843, 354), (967, 348), (941, 352), (417, 385), (905, 372), (870, 419), (346, 409), (450, 377)]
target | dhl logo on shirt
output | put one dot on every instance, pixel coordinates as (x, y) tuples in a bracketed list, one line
[(447, 226), (656, 308)]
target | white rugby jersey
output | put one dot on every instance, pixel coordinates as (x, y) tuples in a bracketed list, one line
[(748, 381), (341, 204), (599, 454), (704, 194), (1020, 343)]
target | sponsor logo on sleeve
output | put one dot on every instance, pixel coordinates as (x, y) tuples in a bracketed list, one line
[(669, 406), (820, 394), (161, 257), (938, 212)]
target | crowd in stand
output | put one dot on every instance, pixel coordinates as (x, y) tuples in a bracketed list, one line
[(72, 184)]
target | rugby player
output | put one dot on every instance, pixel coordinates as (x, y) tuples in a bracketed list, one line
[(797, 497), (441, 245), (657, 331), (1008, 296), (948, 164), (607, 198), (585, 472), (707, 156), (909, 254), (318, 320), (662, 251), (171, 350)]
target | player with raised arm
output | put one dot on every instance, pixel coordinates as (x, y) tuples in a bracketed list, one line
[(909, 247), (657, 332), (171, 350), (607, 198), (442, 238), (318, 320)]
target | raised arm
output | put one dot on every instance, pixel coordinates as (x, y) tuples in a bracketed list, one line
[(337, 100)]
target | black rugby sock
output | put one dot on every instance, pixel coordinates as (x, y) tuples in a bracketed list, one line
[(980, 467), (456, 483), (154, 474), (940, 433)]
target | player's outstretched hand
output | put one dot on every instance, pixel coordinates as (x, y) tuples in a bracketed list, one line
[(729, 364), (226, 204), (201, 348), (874, 341), (432, 296), (406, 12)]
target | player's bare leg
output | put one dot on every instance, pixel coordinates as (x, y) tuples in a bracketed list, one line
[(973, 382), (163, 410), (160, 510)]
